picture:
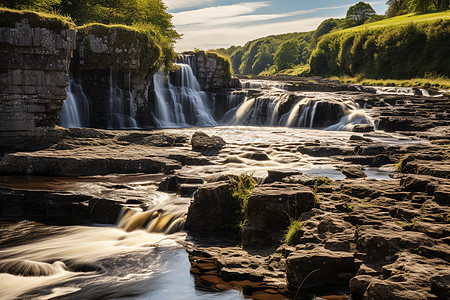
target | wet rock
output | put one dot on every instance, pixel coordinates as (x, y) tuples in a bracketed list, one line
[(352, 171), (362, 128), (206, 144), (278, 175), (319, 267), (172, 183), (258, 155), (213, 209), (382, 242), (300, 179), (270, 208), (187, 190), (381, 160)]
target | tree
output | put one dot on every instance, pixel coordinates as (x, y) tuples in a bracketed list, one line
[(360, 12), (37, 5), (263, 59), (287, 55), (397, 7)]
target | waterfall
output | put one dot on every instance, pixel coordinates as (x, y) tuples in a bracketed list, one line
[(75, 111), (182, 103), (152, 220), (118, 117)]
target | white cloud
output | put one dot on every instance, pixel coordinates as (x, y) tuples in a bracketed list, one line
[(238, 35), (212, 14), (177, 4)]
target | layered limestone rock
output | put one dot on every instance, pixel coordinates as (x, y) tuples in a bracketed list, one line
[(211, 70), (35, 54)]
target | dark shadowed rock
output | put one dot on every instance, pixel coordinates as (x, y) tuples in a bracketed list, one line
[(352, 171), (319, 267), (278, 175), (206, 144), (172, 183), (358, 285), (213, 209), (362, 128), (269, 210), (258, 155)]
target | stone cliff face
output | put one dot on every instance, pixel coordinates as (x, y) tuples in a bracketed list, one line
[(34, 64), (211, 70), (114, 66)]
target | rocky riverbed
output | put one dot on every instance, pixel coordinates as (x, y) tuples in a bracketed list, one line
[(376, 229)]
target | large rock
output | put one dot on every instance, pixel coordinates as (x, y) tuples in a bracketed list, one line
[(319, 267), (411, 277), (382, 242), (206, 144), (352, 172), (213, 209), (270, 208)]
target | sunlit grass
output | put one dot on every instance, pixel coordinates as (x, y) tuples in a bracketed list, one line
[(429, 81)]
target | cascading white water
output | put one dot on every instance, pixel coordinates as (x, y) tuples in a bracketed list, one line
[(75, 111), (305, 113), (117, 117), (184, 105)]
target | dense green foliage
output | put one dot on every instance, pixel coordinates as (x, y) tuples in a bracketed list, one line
[(398, 51), (401, 7), (360, 13), (258, 55), (148, 17)]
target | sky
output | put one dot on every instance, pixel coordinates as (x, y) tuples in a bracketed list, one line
[(211, 24)]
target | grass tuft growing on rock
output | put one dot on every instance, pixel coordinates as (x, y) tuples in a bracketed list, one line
[(293, 233), (241, 189)]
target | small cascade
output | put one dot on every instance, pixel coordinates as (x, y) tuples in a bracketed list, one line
[(121, 110), (75, 111), (271, 110), (183, 103), (153, 220)]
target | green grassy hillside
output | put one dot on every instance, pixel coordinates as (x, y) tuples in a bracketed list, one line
[(401, 47)]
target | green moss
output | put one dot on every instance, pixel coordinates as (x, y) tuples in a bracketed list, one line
[(125, 37), (9, 18), (293, 233), (241, 189)]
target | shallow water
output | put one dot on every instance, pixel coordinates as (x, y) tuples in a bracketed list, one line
[(92, 262)]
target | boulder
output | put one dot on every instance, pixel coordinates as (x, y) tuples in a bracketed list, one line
[(352, 171), (213, 209), (270, 208), (206, 144), (319, 267), (358, 285)]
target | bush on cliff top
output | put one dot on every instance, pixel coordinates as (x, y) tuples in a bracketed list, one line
[(9, 18)]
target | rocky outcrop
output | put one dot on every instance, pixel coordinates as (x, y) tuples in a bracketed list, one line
[(34, 56), (211, 70), (270, 209), (213, 209), (206, 144), (114, 65)]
